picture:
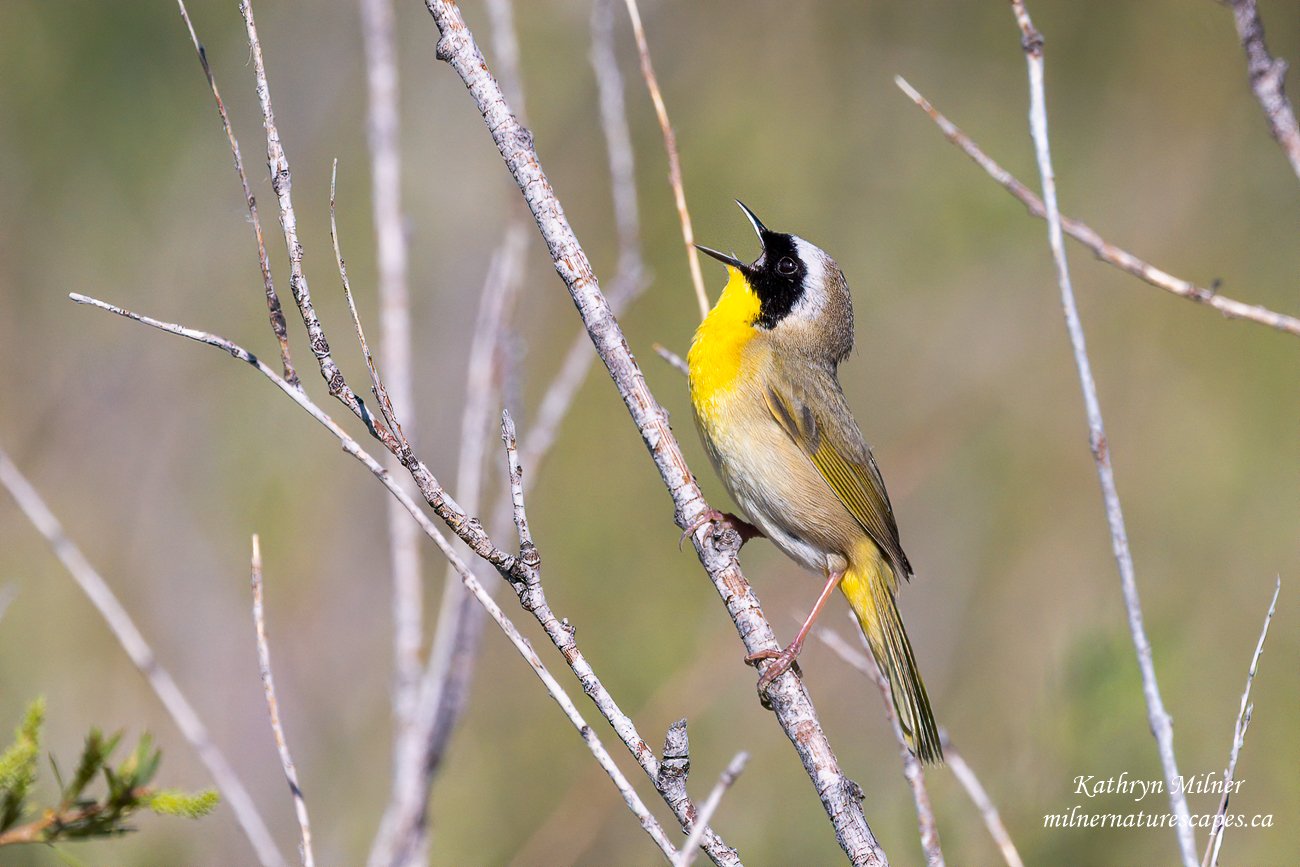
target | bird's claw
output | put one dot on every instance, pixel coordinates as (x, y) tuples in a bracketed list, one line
[(743, 528), (783, 661)]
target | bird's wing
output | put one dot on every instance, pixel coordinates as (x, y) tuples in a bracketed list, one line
[(824, 429)]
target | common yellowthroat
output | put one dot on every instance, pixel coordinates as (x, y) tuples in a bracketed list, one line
[(769, 407)]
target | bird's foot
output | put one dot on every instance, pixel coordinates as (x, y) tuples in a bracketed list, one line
[(743, 528), (782, 661)]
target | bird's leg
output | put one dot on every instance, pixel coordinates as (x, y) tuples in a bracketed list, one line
[(785, 658), (710, 515)]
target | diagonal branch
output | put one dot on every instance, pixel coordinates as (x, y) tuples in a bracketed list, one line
[(1086, 235), (840, 797), (1161, 724), (1268, 80), (275, 311), (191, 726)]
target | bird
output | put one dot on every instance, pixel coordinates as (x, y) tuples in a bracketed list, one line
[(764, 387)]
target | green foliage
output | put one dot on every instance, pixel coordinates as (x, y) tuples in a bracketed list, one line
[(174, 802), (77, 814), (18, 764)]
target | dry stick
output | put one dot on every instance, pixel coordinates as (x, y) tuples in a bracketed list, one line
[(1268, 80), (912, 770), (351, 447), (686, 857), (1238, 738), (272, 298), (840, 797), (674, 161), (678, 363), (1084, 234), (282, 182), (1161, 725), (144, 659), (382, 135), (992, 819), (273, 707)]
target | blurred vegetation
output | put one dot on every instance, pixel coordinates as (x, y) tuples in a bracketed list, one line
[(74, 816), (161, 457)]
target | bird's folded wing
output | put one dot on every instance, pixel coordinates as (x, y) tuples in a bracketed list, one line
[(838, 451)]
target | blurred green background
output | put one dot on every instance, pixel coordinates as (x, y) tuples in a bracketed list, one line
[(161, 456)]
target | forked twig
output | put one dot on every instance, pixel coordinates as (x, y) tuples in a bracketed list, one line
[(274, 310), (273, 708), (1161, 724), (353, 448)]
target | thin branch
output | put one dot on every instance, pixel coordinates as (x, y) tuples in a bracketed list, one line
[(674, 161), (273, 307), (1086, 235), (281, 183), (992, 819), (1268, 80), (273, 707), (678, 363), (686, 857), (1238, 738), (353, 448), (144, 659), (1161, 724), (912, 770), (840, 797), (505, 44), (8, 592), (383, 137)]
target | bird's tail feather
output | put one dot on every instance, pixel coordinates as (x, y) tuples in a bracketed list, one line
[(869, 590)]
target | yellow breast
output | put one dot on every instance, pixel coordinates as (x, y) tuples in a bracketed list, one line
[(717, 355)]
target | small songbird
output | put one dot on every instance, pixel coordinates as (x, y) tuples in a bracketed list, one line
[(769, 407)]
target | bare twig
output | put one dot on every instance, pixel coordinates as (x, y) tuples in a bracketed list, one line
[(686, 856), (1238, 738), (1086, 235), (674, 161), (8, 592), (144, 659), (992, 819), (678, 363), (281, 183), (382, 135), (912, 770), (840, 797), (1268, 80), (273, 307), (351, 447), (1161, 724), (273, 707)]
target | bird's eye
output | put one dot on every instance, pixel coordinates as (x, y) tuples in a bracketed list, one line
[(787, 267)]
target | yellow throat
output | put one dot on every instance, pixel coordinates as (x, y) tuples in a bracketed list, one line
[(719, 345)]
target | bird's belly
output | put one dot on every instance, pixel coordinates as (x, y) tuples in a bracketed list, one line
[(777, 486)]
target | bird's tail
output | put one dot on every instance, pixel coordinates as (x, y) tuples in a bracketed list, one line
[(869, 586)]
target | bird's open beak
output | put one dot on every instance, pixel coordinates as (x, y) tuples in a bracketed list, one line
[(759, 228), (728, 259)]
